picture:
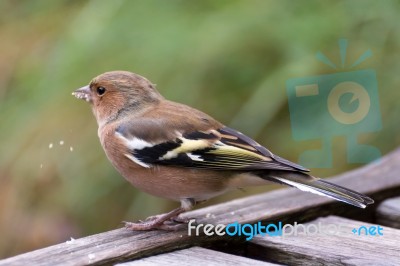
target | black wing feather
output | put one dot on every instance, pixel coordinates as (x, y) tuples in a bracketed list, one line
[(228, 150)]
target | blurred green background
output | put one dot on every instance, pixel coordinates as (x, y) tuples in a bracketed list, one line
[(230, 59)]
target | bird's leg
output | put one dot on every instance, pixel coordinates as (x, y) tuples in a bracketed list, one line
[(158, 221), (185, 220)]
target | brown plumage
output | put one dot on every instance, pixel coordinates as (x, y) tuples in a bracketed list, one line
[(173, 151)]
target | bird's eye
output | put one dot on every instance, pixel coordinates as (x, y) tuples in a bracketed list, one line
[(100, 91)]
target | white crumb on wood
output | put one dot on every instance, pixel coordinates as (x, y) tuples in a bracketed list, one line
[(91, 256)]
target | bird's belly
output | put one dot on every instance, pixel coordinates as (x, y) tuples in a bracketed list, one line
[(176, 183)]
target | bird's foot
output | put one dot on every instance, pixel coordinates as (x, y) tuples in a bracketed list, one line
[(177, 219), (155, 222), (167, 221), (152, 218)]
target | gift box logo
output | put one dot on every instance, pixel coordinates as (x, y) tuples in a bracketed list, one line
[(338, 104)]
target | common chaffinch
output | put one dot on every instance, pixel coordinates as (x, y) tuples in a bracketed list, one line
[(173, 151)]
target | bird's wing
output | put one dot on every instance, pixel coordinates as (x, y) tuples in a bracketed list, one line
[(217, 149)]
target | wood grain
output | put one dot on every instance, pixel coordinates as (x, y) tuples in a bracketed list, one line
[(388, 213), (379, 179), (346, 248), (196, 256)]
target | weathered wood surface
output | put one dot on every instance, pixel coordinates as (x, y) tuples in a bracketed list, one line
[(196, 256), (346, 248), (379, 179), (388, 213)]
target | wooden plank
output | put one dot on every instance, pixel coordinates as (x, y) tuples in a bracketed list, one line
[(379, 179), (196, 256), (388, 213), (346, 248)]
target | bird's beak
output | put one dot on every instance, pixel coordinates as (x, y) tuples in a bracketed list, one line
[(83, 93)]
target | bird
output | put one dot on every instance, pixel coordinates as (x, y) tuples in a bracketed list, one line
[(176, 152)]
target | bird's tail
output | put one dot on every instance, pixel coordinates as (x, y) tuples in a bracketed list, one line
[(318, 186)]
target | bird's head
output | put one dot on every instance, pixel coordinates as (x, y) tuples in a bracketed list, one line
[(114, 93)]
